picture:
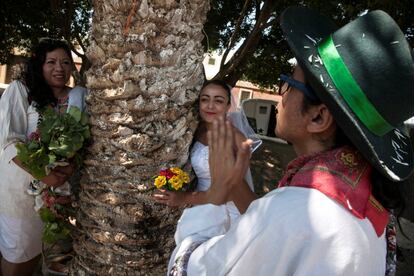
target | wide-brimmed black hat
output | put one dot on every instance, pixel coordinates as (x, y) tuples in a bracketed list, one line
[(364, 73)]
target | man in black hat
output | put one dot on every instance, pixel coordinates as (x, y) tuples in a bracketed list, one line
[(343, 111)]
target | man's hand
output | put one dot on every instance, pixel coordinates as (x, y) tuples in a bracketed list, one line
[(227, 167)]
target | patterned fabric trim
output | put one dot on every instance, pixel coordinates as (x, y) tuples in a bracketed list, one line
[(62, 104), (343, 175), (391, 258), (179, 267)]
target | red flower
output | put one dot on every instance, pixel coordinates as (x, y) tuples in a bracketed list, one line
[(48, 199), (167, 173), (34, 136)]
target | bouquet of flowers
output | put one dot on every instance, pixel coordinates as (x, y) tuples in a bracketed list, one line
[(59, 138), (172, 179)]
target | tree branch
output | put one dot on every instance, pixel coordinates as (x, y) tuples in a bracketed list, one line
[(271, 22), (235, 33), (257, 13), (73, 49), (86, 64), (250, 44), (80, 42)]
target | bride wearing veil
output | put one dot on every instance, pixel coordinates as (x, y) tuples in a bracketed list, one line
[(205, 220)]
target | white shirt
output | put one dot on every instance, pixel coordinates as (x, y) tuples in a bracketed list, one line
[(293, 231), (15, 120)]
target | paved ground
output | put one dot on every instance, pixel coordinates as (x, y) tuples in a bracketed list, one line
[(267, 163)]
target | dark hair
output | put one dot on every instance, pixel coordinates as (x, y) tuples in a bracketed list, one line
[(39, 91), (308, 102), (387, 192), (220, 83)]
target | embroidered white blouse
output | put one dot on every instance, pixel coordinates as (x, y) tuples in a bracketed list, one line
[(17, 120)]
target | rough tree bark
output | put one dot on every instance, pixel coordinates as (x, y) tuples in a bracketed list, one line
[(146, 72)]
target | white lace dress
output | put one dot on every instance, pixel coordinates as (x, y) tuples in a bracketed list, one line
[(201, 222)]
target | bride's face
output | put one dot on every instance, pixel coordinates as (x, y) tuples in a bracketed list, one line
[(214, 102)]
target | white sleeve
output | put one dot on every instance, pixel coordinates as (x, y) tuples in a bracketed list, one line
[(293, 231), (13, 118), (77, 97)]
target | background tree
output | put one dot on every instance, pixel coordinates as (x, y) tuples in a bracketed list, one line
[(146, 73), (24, 22), (262, 53), (251, 25)]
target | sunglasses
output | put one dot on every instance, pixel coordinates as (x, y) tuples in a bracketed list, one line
[(286, 82)]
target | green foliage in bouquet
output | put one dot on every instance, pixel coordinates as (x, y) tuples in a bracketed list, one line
[(59, 138), (54, 229)]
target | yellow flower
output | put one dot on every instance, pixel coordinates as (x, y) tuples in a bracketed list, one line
[(176, 170), (160, 181), (181, 174), (176, 182), (185, 178)]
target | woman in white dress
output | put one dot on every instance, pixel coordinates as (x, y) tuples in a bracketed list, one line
[(201, 219), (43, 84)]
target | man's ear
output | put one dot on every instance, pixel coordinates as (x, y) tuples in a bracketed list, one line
[(320, 119)]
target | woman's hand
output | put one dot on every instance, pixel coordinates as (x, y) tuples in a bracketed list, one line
[(55, 178), (67, 170), (170, 198), (59, 175)]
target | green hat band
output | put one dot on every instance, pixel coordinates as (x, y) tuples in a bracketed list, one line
[(350, 90)]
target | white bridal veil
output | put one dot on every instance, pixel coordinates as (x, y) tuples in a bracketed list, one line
[(239, 120)]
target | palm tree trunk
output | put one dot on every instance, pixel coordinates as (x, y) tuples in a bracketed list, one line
[(146, 70)]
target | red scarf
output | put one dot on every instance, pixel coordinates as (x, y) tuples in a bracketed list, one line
[(343, 175)]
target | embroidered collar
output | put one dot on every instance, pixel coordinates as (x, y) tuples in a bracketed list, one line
[(343, 175)]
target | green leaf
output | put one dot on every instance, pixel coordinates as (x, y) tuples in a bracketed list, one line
[(55, 231), (62, 136), (33, 145), (85, 119), (75, 112), (46, 215), (34, 160)]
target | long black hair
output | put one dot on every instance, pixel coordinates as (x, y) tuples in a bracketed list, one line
[(39, 91)]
